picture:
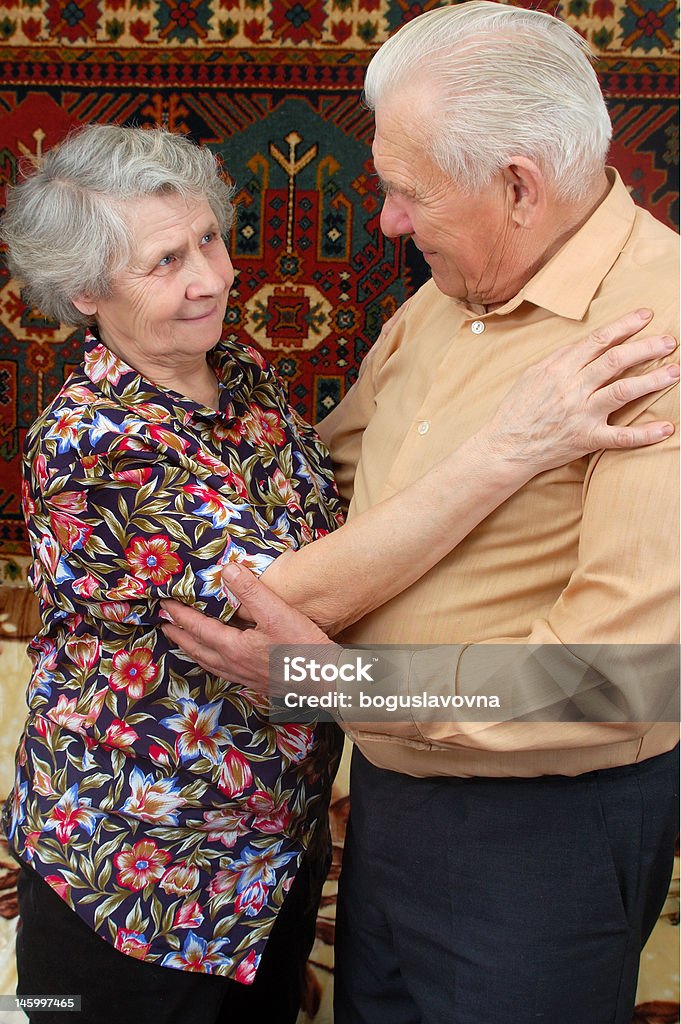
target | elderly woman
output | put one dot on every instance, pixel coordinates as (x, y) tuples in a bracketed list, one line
[(155, 806)]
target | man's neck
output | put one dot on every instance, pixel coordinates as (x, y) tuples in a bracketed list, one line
[(562, 221)]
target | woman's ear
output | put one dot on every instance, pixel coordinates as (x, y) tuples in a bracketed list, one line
[(84, 305)]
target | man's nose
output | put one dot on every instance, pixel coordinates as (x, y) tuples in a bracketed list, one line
[(395, 219)]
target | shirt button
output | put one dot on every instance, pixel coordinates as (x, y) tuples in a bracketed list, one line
[(423, 427), (477, 327)]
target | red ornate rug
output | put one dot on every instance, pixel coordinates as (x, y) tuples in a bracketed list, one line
[(274, 87)]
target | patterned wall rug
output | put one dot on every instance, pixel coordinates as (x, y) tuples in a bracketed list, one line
[(274, 87)]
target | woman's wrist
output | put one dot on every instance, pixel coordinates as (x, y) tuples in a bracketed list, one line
[(496, 460)]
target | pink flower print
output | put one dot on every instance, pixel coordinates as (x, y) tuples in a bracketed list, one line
[(255, 872), (238, 483), (189, 915), (60, 886), (245, 972), (133, 671), (198, 955), (115, 611), (65, 714), (236, 774), (102, 364), (86, 586), (151, 558), (152, 799), (134, 476), (83, 650), (132, 943), (66, 512), (65, 429), (72, 811), (214, 506), (251, 899), (199, 733), (128, 587), (224, 826), (281, 488), (42, 782), (295, 741), (119, 735), (181, 878), (168, 438), (268, 815), (264, 426), (141, 864), (159, 754)]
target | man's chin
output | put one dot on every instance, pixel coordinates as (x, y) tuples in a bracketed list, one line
[(453, 289)]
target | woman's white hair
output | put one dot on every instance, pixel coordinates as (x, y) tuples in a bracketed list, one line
[(65, 224), (511, 82)]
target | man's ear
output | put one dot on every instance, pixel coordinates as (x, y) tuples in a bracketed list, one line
[(526, 190), (85, 305)]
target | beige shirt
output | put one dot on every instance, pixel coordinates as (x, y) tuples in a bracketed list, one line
[(582, 555)]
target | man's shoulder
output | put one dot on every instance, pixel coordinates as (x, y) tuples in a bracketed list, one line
[(645, 273), (650, 239)]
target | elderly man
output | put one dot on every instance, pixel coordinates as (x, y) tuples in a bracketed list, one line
[(505, 872)]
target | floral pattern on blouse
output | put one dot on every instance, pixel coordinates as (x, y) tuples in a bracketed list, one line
[(157, 800)]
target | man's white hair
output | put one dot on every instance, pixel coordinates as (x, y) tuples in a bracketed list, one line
[(510, 82)]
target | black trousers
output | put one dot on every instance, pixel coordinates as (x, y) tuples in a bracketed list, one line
[(58, 954), (501, 901)]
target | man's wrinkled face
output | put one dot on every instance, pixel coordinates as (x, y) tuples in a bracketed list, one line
[(467, 240)]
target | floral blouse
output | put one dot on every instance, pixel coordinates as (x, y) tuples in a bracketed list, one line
[(156, 799)]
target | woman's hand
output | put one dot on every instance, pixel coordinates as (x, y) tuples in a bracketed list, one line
[(558, 410)]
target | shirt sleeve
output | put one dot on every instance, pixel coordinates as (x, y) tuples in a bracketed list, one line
[(130, 528), (342, 430), (607, 652)]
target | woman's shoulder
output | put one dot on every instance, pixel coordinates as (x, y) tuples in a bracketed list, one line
[(67, 422)]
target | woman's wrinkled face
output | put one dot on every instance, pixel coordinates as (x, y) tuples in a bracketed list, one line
[(166, 308)]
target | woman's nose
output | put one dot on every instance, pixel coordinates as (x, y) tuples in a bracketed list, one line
[(209, 274)]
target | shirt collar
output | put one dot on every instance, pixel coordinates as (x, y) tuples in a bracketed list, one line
[(566, 285), (568, 282), (123, 383)]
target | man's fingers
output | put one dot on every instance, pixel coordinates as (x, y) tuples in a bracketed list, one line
[(190, 619), (257, 601), (193, 648)]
